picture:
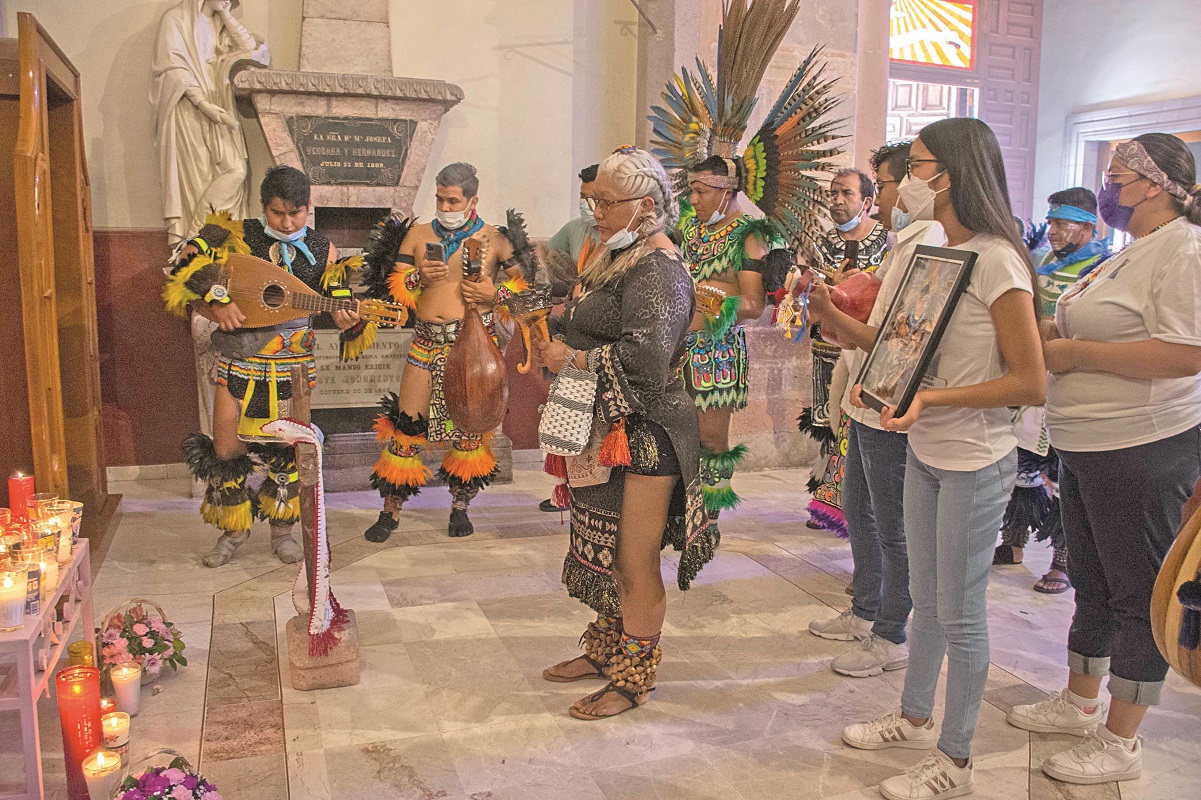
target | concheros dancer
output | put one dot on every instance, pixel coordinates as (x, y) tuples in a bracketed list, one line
[(730, 254), (421, 266), (254, 369)]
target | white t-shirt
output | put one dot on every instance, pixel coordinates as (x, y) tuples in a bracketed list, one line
[(890, 273), (1150, 290), (968, 439)]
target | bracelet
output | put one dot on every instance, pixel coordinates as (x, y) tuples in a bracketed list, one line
[(569, 361), (412, 279), (217, 293)]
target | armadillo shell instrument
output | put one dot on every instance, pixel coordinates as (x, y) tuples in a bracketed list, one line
[(474, 379), (535, 298)]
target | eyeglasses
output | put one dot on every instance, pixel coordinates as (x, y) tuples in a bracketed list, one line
[(1111, 179), (881, 184), (603, 206), (909, 162)]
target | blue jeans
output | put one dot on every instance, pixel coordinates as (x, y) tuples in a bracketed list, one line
[(872, 488), (951, 523)]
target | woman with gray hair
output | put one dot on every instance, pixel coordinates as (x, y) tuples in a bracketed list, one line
[(628, 326)]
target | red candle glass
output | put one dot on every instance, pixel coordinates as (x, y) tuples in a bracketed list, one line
[(78, 691), (20, 487)]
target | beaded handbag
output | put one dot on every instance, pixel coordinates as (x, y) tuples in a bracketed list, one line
[(566, 424)]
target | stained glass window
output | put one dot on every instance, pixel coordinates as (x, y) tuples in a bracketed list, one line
[(937, 33)]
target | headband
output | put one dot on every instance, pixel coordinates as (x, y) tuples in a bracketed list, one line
[(1071, 214), (727, 181), (1135, 156)]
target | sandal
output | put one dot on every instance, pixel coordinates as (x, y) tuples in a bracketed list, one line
[(1052, 584), (1004, 554), (631, 677), (597, 667)]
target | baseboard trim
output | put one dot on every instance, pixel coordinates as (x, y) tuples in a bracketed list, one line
[(147, 472)]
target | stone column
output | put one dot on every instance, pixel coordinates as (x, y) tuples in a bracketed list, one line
[(341, 36), (662, 53), (871, 85)]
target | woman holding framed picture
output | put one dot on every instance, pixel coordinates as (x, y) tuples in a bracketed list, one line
[(962, 457)]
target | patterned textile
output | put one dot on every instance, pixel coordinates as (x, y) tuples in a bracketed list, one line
[(872, 249), (431, 344), (717, 371), (262, 381), (826, 506), (709, 253), (633, 329)]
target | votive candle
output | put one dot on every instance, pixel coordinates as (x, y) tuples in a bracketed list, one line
[(76, 519), (49, 573), (20, 487), (83, 654), (116, 731), (63, 538), (33, 584), (102, 771), (127, 685), (12, 600), (108, 704), (78, 690)]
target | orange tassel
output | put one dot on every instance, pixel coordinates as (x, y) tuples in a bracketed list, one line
[(615, 450), (561, 496), (555, 466)]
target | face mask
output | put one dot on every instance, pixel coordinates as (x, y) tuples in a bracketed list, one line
[(290, 238), (451, 220), (900, 219), (918, 197), (586, 213), (716, 216), (1112, 211), (850, 224), (623, 238)]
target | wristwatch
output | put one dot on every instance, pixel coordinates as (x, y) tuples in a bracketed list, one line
[(217, 293)]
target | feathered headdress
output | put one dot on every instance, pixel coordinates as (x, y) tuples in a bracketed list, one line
[(705, 117)]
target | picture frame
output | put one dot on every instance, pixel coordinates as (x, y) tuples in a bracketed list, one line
[(913, 326)]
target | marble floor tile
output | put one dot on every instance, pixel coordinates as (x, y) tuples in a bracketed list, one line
[(420, 767), (262, 777), (243, 730)]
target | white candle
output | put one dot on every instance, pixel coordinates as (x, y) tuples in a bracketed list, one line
[(12, 600), (127, 684), (102, 771), (49, 574), (116, 731)]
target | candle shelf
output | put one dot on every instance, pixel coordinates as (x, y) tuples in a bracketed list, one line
[(42, 640)]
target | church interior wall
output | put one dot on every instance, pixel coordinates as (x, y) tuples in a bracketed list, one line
[(1101, 54)]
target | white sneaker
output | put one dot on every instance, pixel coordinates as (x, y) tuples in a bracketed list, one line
[(845, 627), (1102, 757), (871, 657), (891, 730), (936, 776), (1056, 714)]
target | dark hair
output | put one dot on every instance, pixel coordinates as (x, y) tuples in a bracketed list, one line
[(1175, 159), (893, 155), (1076, 197), (867, 189), (588, 174), (288, 184), (460, 174), (716, 165), (967, 148)]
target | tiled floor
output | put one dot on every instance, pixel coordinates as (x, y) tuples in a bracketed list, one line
[(455, 634)]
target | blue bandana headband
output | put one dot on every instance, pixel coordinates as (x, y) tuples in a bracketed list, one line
[(1071, 214)]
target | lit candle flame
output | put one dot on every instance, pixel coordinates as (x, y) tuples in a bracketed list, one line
[(100, 760)]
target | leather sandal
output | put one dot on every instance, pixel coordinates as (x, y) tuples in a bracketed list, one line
[(1004, 554), (631, 677)]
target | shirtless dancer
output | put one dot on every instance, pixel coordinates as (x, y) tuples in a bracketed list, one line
[(432, 285)]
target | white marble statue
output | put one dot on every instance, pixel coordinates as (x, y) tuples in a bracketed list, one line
[(202, 154)]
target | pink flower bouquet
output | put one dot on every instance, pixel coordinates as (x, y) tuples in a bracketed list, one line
[(174, 782), (141, 637)]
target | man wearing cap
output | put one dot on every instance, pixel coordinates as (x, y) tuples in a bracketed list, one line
[(1034, 506)]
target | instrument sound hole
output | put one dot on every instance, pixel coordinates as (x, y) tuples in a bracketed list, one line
[(274, 296)]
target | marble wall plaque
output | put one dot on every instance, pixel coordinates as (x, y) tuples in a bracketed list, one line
[(352, 151), (359, 384)]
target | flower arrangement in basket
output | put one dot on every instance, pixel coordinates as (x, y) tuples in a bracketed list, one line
[(176, 781), (131, 634)]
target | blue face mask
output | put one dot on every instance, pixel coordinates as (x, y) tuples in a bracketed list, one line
[(295, 239), (850, 224), (900, 219)]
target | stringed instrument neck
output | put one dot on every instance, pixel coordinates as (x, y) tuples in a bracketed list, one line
[(317, 303)]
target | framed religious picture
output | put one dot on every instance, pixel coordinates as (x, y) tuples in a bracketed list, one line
[(913, 326)]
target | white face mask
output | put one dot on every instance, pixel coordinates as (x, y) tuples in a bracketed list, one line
[(451, 220), (716, 216), (586, 213), (624, 237), (918, 197)]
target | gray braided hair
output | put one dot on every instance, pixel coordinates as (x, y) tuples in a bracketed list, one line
[(637, 174)]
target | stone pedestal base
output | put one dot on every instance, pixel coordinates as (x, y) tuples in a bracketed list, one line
[(339, 668), (781, 387)]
